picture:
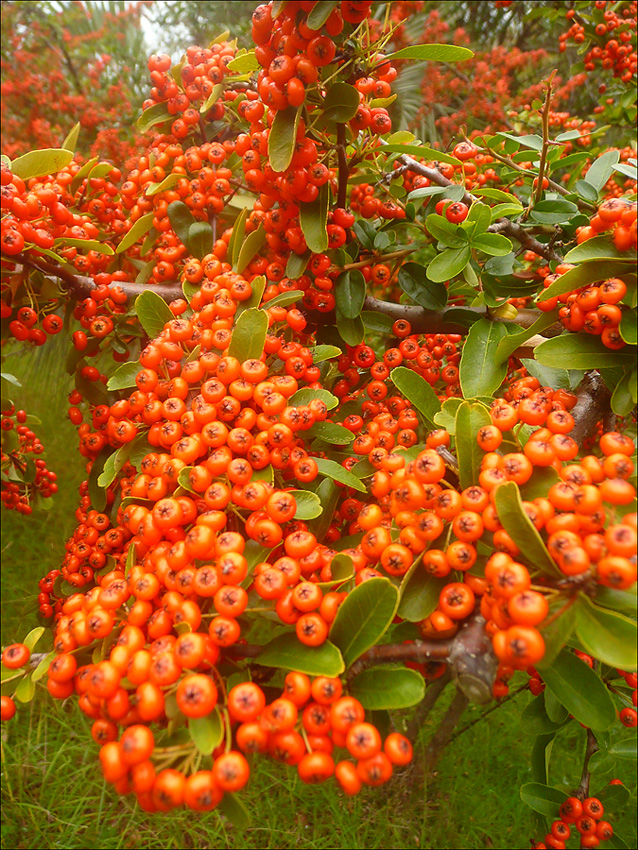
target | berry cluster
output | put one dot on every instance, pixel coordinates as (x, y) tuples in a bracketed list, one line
[(23, 477)]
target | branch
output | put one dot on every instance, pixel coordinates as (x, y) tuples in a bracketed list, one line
[(592, 746), (501, 225), (443, 734), (344, 171), (489, 710), (80, 287), (432, 693), (593, 403), (543, 160)]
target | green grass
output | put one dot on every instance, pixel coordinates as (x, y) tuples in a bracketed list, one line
[(54, 795)]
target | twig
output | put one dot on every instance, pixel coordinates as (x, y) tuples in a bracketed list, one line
[(344, 171), (592, 746), (487, 711), (543, 160)]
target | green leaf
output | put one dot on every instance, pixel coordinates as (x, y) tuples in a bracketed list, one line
[(554, 212), (521, 529), (308, 504), (237, 237), (31, 640), (235, 810), (433, 53), (540, 757), (608, 636), (200, 239), (618, 600), (289, 653), (581, 691), (43, 667), (340, 103), (444, 232), (350, 293), (313, 218), (167, 183), (71, 141), (414, 282), (306, 395), (481, 372), (470, 418), (350, 330), (181, 220), (376, 322), (417, 390), (480, 216), (113, 465), (582, 275), (41, 162), (284, 299), (536, 719), (320, 13), (511, 342), (155, 114), (628, 327), (153, 312), (614, 797), (542, 798), (86, 244), (581, 351), (420, 593), (245, 63), (388, 687), (534, 142), (249, 335), (324, 352), (598, 248), (622, 399), (296, 264), (447, 265), (548, 375), (207, 732), (124, 376), (341, 570), (212, 98), (328, 494), (282, 138), (251, 245), (334, 470), (422, 152), (602, 169), (331, 432), (557, 632), (494, 244), (97, 494), (363, 617), (25, 690)]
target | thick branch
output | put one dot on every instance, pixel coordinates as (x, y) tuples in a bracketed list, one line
[(432, 693), (444, 732), (593, 403)]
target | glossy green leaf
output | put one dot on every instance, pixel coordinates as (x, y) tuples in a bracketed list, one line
[(331, 432), (350, 293), (167, 183), (448, 264), (97, 494), (324, 352), (334, 470), (422, 152), (629, 327), (536, 719), (31, 640), (413, 280), (237, 237), (308, 504), (41, 162), (249, 335), (598, 248), (350, 330), (320, 13), (481, 372), (289, 653), (212, 98), (624, 601), (494, 244), (181, 220), (114, 463), (534, 141), (388, 687), (85, 244), (235, 810), (540, 757), (245, 63), (200, 239), (71, 140), (420, 592), (601, 170), (558, 631), (443, 231), (607, 635), (340, 103), (284, 299), (328, 494), (548, 375), (341, 569), (583, 275), (283, 134), (470, 418), (542, 798), (251, 245), (155, 114), (581, 351), (363, 617), (25, 690), (124, 376), (581, 691), (521, 529), (153, 312), (206, 732), (43, 667), (614, 797), (622, 399), (313, 218), (376, 322), (508, 344), (306, 395), (296, 264), (417, 390), (555, 211)]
